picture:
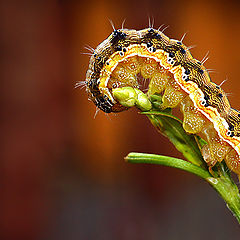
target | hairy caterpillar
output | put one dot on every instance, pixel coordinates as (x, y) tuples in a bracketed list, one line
[(182, 80)]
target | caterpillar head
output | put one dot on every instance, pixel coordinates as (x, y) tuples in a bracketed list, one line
[(97, 87)]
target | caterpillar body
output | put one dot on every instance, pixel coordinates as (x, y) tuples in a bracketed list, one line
[(181, 80)]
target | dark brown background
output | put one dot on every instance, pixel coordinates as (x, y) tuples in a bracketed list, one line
[(63, 171)]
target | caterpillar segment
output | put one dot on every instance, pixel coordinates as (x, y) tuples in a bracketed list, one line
[(128, 56)]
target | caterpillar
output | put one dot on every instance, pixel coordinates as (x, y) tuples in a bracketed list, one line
[(128, 55)]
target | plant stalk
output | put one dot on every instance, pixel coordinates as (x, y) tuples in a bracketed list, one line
[(222, 184)]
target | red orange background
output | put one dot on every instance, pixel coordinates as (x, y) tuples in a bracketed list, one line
[(63, 171)]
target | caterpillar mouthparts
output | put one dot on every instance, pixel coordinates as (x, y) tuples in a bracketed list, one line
[(128, 56)]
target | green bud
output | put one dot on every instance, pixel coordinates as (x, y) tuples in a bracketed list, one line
[(126, 96), (129, 97), (142, 101)]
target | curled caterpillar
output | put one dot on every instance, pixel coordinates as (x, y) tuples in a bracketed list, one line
[(128, 55)]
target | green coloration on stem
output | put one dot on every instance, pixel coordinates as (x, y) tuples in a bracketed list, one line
[(189, 145), (171, 127), (223, 184), (167, 161)]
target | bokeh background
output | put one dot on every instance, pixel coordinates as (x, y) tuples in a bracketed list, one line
[(62, 170)]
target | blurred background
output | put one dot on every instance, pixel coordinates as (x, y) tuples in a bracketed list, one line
[(63, 172)]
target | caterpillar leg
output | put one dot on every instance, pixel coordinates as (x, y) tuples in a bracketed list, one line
[(173, 95), (216, 150), (158, 81), (233, 162), (193, 120)]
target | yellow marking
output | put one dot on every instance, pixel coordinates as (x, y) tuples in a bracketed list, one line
[(189, 87)]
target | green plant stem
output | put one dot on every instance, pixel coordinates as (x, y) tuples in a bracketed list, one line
[(222, 184), (189, 145), (167, 161)]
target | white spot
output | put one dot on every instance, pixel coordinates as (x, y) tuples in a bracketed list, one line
[(203, 102), (184, 76), (228, 133), (151, 49), (170, 60)]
